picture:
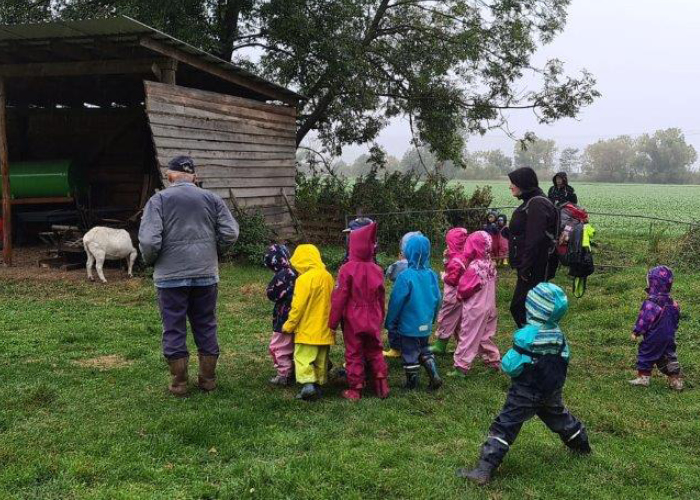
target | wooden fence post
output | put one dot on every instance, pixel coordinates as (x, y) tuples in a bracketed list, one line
[(5, 173)]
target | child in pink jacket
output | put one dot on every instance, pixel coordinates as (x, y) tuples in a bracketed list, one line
[(477, 290), (450, 315)]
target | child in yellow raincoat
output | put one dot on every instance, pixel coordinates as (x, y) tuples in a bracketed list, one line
[(308, 321)]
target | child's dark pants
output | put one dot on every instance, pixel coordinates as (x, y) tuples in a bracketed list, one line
[(196, 303), (523, 402), (413, 350)]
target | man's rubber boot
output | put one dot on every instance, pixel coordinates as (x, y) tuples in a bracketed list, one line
[(411, 378), (308, 393), (178, 372), (481, 474), (207, 372), (430, 366), (381, 388), (578, 443), (439, 346)]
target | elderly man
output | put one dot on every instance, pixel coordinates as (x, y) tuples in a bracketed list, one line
[(181, 230)]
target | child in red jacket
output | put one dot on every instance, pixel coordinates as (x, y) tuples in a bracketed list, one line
[(358, 302), (450, 315)]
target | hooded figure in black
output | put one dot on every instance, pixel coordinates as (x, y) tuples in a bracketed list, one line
[(562, 193), (532, 229)]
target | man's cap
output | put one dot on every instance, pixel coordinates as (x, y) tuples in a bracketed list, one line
[(357, 224), (183, 164)]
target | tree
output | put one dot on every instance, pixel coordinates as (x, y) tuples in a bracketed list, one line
[(666, 156), (496, 161), (538, 154), (451, 67), (570, 160), (611, 160)]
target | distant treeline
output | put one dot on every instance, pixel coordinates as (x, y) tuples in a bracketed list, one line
[(661, 158)]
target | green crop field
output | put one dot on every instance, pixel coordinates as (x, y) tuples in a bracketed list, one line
[(663, 201)]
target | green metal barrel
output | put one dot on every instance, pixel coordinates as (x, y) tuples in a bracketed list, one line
[(45, 179)]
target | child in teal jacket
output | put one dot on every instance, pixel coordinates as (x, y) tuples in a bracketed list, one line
[(537, 364), (413, 308)]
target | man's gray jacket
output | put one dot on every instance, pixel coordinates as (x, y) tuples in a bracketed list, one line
[(181, 230)]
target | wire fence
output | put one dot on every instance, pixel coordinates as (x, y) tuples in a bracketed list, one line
[(620, 240)]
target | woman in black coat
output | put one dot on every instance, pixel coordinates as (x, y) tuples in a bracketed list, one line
[(531, 242), (561, 193)]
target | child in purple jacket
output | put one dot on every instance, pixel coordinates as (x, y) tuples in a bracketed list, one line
[(657, 324), (280, 291)]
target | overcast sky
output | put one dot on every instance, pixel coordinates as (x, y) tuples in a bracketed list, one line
[(645, 55)]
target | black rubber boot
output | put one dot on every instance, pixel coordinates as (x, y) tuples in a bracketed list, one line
[(308, 393), (430, 366), (578, 443), (492, 453), (411, 379), (481, 474)]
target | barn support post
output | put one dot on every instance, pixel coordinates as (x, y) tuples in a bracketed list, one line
[(168, 70), (5, 173)]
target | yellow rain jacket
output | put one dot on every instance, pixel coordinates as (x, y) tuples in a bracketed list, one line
[(311, 303)]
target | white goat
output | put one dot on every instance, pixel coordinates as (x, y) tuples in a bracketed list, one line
[(106, 243)]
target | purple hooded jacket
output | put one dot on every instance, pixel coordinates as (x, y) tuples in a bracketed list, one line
[(659, 314)]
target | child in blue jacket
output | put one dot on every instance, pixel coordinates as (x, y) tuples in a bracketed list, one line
[(413, 308), (537, 364)]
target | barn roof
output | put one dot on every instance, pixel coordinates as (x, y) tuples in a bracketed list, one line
[(32, 51)]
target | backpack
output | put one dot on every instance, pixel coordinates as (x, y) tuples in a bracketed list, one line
[(570, 248), (548, 370)]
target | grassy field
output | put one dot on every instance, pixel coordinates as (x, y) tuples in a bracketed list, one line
[(83, 411)]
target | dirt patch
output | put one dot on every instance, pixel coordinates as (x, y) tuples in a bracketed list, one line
[(253, 290), (25, 267), (104, 362)]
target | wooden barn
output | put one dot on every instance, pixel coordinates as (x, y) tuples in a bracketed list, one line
[(91, 112)]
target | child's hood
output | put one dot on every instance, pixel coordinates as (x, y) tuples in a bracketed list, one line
[(307, 257), (455, 239), (546, 304), (276, 257), (417, 252), (363, 241), (405, 238), (660, 281), (478, 245)]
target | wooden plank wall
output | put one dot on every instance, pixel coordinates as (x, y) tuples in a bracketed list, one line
[(238, 145)]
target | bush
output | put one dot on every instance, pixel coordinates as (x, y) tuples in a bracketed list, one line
[(399, 202), (688, 249), (254, 237)]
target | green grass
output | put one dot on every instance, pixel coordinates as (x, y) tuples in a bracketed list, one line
[(72, 430)]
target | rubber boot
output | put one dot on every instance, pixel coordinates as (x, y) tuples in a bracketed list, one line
[(207, 372), (578, 443), (308, 392), (411, 379), (381, 388), (641, 381), (439, 346), (352, 394), (281, 381), (481, 474), (675, 383), (430, 366), (492, 453), (178, 372), (392, 353)]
